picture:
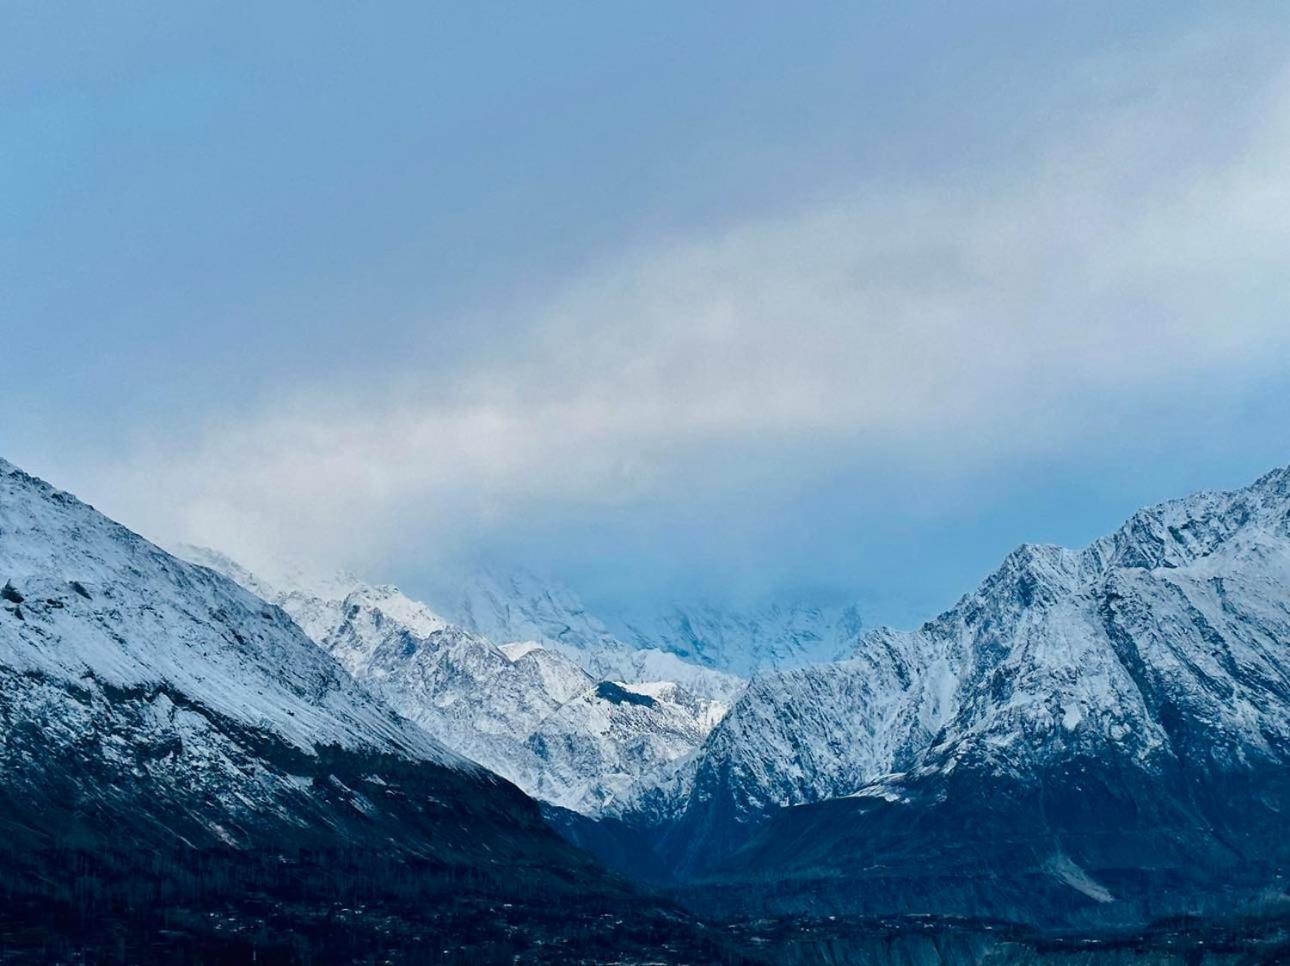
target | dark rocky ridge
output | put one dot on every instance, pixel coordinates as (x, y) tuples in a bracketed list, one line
[(183, 775)]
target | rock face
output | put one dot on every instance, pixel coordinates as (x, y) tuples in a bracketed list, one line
[(1090, 736), (602, 743), (524, 710), (747, 642), (170, 743)]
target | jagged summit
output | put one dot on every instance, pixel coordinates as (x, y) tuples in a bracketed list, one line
[(1147, 675), (1179, 532), (510, 708)]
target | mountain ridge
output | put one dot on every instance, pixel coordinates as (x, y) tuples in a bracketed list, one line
[(524, 710), (184, 774), (1149, 669)]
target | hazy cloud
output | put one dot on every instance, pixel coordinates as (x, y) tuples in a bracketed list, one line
[(1141, 253)]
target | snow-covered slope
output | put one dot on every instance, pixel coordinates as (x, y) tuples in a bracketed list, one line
[(73, 581), (517, 606), (746, 642), (123, 659), (1148, 673), (458, 686), (524, 710), (184, 774), (800, 736), (599, 745)]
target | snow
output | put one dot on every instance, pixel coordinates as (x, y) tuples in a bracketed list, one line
[(1071, 716), (103, 607), (526, 710), (744, 642), (653, 689), (1062, 867), (517, 650), (1057, 653)]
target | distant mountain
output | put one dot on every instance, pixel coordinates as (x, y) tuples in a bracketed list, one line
[(707, 647), (1094, 736), (514, 606), (524, 710), (745, 642), (183, 774)]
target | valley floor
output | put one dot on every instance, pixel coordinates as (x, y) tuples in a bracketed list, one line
[(353, 906), (339, 906), (936, 941)]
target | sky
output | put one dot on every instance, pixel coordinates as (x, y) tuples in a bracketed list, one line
[(735, 301)]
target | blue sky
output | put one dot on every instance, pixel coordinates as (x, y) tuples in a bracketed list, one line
[(666, 300)]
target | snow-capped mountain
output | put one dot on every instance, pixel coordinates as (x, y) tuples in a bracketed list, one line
[(182, 769), (517, 606), (597, 747), (164, 702), (1140, 686), (800, 736), (524, 710), (455, 684), (74, 579), (746, 642)]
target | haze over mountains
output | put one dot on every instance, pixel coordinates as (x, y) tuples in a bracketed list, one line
[(1091, 740), (773, 636), (530, 707), (177, 749)]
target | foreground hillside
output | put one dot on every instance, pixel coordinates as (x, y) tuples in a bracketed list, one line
[(184, 774)]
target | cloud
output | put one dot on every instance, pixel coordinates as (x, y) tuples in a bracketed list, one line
[(1140, 253)]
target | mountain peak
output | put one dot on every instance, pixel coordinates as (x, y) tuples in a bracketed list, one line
[(1158, 651), (1178, 532), (83, 574)]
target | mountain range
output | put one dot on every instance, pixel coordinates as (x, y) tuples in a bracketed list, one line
[(1090, 738), (1090, 747), (185, 774), (523, 709)]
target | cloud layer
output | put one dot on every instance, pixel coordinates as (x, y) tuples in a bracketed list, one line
[(1137, 254)]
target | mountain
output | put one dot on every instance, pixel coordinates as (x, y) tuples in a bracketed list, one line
[(794, 737), (519, 606), (746, 642), (525, 711), (184, 774), (515, 606), (597, 747), (458, 686), (1091, 737)]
